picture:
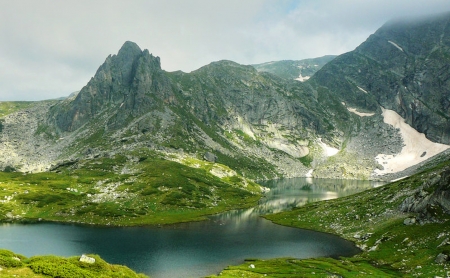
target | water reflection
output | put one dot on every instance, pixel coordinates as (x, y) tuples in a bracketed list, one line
[(200, 248), (289, 193)]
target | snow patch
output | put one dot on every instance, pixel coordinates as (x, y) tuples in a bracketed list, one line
[(362, 89), (399, 179), (396, 45), (354, 111), (417, 147), (309, 173), (302, 78), (329, 151)]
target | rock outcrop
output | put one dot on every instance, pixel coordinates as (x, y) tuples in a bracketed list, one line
[(126, 83), (431, 198)]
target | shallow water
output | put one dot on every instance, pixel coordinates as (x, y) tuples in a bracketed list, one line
[(200, 248)]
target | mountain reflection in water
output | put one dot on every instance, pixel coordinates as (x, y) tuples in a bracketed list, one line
[(286, 194)]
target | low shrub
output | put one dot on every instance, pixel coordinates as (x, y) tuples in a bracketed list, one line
[(9, 259)]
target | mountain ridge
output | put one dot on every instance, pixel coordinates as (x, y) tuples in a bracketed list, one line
[(261, 124)]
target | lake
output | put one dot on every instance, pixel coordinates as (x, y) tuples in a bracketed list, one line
[(199, 248)]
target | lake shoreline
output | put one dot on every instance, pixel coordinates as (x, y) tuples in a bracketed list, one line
[(224, 229)]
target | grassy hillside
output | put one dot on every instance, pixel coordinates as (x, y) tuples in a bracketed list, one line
[(8, 107), (123, 190), (395, 241)]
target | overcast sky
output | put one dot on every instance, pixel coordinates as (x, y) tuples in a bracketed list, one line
[(50, 49)]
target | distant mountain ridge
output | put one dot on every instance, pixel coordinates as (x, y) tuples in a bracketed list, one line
[(257, 120), (300, 70)]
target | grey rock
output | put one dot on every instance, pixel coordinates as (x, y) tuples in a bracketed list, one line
[(441, 258), (430, 199), (208, 156), (87, 259), (289, 69), (444, 242), (409, 221)]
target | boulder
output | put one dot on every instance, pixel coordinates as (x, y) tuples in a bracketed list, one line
[(87, 259), (409, 221), (441, 258), (208, 156)]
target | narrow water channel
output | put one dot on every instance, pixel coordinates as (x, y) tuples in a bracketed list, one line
[(201, 248)]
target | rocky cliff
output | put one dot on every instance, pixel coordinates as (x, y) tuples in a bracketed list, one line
[(128, 83)]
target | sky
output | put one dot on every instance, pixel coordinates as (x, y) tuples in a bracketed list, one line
[(51, 48)]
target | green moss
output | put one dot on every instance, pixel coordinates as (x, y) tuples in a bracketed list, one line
[(15, 265), (9, 259), (321, 267), (307, 160)]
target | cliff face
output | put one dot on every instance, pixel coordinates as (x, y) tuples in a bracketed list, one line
[(128, 82), (405, 67), (224, 92)]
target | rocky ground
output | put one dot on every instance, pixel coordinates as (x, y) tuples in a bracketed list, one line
[(22, 145)]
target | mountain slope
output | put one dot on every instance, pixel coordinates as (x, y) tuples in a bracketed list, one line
[(403, 66), (300, 70), (256, 123)]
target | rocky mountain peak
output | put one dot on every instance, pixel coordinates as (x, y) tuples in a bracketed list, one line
[(129, 48), (124, 81)]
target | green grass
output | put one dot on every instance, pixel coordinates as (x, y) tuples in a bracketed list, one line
[(155, 191), (15, 265), (321, 267), (9, 107), (372, 220)]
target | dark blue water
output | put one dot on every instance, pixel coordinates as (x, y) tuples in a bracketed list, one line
[(195, 249)]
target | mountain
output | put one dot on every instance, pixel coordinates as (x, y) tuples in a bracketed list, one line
[(403, 66), (251, 121), (346, 121)]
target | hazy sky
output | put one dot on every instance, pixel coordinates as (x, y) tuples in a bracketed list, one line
[(49, 49)]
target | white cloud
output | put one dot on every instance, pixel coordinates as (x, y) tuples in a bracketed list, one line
[(51, 48)]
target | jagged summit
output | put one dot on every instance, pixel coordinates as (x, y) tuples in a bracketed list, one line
[(129, 47), (125, 81)]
